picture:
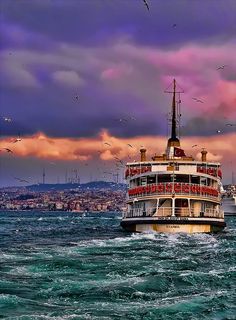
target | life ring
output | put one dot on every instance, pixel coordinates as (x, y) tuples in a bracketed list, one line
[(185, 188), (177, 187), (160, 187), (193, 189), (168, 187), (153, 188)]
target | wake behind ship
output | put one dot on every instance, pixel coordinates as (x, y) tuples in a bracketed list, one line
[(172, 192)]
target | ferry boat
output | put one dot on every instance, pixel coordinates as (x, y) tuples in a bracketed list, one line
[(173, 192), (229, 201)]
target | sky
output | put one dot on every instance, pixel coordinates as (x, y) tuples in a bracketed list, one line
[(83, 81)]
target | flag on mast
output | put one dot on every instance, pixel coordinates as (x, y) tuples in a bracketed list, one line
[(179, 152)]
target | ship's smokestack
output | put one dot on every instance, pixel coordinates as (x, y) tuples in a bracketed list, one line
[(204, 155), (143, 154)]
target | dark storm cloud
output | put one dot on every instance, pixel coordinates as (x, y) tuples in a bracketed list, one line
[(60, 54), (58, 113), (212, 122), (99, 21)]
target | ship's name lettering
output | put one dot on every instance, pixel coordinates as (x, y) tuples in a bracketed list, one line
[(172, 218), (171, 227)]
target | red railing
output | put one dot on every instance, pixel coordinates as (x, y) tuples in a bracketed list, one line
[(175, 188), (132, 171)]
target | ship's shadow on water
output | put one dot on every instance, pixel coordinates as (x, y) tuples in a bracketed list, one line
[(70, 266)]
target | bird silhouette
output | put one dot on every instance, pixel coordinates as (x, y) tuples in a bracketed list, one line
[(174, 25), (146, 4), (198, 100), (21, 180), (195, 145), (129, 145), (18, 139), (7, 119), (231, 124), (108, 144), (121, 120), (8, 150), (221, 67)]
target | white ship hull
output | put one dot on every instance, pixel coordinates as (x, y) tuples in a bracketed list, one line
[(173, 225)]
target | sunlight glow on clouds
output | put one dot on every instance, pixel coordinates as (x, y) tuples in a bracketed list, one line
[(107, 147)]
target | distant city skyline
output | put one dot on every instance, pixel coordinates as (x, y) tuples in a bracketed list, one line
[(82, 85)]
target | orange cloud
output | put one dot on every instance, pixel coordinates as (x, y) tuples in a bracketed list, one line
[(106, 147)]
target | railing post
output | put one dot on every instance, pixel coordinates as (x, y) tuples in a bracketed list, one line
[(173, 207)]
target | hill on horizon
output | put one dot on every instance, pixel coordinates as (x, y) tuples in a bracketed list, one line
[(67, 186)]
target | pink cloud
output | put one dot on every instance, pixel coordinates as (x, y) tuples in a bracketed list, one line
[(116, 72)]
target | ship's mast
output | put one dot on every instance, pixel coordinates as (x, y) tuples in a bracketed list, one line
[(173, 120), (173, 141)]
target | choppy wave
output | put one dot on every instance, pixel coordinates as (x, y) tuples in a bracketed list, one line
[(69, 266)]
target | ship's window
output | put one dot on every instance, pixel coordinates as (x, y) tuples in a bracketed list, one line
[(164, 178), (143, 181), (161, 202), (151, 179), (195, 179), (181, 203), (181, 178)]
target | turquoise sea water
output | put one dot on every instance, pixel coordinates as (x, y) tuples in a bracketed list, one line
[(62, 265)]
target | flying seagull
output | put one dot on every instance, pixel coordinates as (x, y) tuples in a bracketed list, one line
[(195, 145), (17, 139), (218, 131), (146, 4), (8, 150), (129, 145), (7, 119), (198, 100), (230, 124), (21, 180), (108, 144), (221, 67), (121, 120)]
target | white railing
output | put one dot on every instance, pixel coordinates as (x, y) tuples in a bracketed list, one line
[(138, 212), (178, 212)]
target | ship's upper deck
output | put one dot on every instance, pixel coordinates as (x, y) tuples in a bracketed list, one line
[(174, 159), (170, 166)]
